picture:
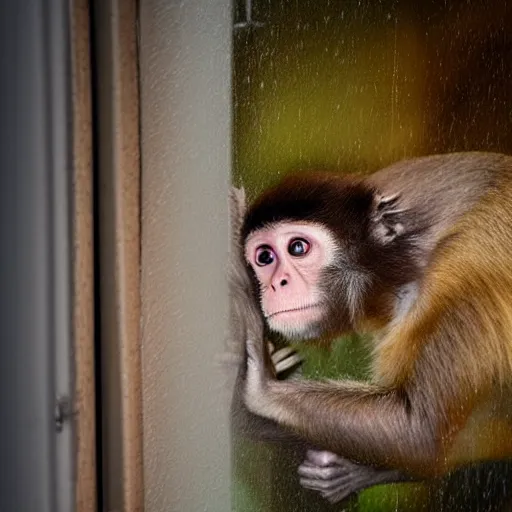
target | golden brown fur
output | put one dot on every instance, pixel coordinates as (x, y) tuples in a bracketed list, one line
[(463, 321)]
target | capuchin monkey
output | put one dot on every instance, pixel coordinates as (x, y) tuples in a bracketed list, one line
[(420, 255), (321, 470)]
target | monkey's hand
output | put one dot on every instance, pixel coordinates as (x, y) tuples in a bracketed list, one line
[(263, 363), (333, 477), (336, 478), (260, 373)]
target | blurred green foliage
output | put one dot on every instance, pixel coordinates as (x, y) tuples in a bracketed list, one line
[(347, 358)]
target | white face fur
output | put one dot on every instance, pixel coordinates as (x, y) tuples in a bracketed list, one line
[(287, 259)]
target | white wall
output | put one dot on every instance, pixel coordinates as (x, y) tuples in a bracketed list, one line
[(185, 58)]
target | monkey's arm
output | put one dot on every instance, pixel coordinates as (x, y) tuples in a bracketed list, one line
[(334, 477), (365, 423), (254, 427)]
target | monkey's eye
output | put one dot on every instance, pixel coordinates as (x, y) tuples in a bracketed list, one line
[(299, 247), (264, 256)]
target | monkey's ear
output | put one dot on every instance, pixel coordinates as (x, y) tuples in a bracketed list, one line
[(386, 219), (237, 207), (237, 201)]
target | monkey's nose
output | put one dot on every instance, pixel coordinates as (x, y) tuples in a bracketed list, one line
[(283, 282)]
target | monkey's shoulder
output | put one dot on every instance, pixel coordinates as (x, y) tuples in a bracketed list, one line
[(452, 175)]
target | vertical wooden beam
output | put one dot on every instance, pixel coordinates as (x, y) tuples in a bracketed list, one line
[(117, 118), (83, 263)]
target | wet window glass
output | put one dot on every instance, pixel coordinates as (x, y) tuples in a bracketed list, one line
[(353, 86)]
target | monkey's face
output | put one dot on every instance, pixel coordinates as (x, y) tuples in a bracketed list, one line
[(288, 259)]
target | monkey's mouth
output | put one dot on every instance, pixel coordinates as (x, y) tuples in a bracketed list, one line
[(299, 309)]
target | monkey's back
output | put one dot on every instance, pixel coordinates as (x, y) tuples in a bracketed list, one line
[(438, 190), (455, 343)]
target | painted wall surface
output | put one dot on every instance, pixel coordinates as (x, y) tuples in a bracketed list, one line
[(185, 69)]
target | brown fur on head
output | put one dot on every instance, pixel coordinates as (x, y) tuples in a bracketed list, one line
[(367, 252)]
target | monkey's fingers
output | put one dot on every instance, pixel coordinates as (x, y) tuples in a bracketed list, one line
[(354, 482), (285, 358), (327, 487), (282, 353), (254, 353), (259, 369), (333, 489), (324, 474), (340, 494), (334, 477), (257, 347)]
